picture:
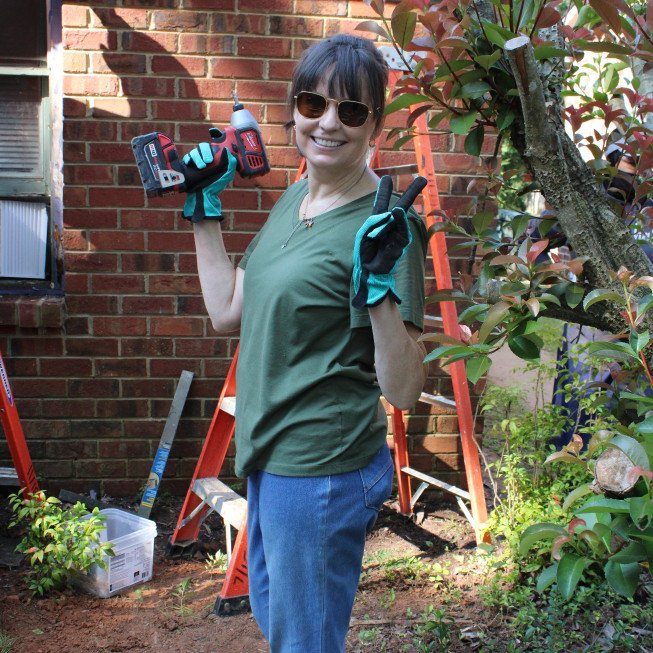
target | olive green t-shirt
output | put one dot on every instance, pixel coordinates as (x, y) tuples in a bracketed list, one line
[(308, 400)]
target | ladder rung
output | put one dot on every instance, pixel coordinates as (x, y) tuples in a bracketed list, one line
[(407, 169), (221, 498), (437, 400), (432, 320), (228, 405), (435, 481), (8, 476)]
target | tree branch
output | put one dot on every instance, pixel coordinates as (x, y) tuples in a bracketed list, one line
[(584, 214)]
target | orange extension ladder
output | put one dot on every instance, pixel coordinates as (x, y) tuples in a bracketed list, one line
[(207, 494), (23, 474)]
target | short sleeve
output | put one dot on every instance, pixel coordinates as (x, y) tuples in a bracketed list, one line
[(409, 280), (248, 251)]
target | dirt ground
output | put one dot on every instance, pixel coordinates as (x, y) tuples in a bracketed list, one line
[(410, 564), (413, 568)]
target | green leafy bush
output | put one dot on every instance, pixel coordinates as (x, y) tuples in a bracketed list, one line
[(58, 542)]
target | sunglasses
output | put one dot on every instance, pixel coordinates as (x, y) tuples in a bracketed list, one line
[(350, 113)]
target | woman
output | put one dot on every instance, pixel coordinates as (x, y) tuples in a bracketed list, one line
[(329, 303)]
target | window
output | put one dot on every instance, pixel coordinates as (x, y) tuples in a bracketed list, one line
[(27, 263)]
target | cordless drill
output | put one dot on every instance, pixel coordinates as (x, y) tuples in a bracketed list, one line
[(163, 171)]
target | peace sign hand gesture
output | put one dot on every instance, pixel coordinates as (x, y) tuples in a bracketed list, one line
[(380, 243)]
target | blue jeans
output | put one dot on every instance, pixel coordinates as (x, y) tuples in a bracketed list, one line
[(306, 537)]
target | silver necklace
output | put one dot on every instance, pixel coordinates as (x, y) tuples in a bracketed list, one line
[(308, 222)]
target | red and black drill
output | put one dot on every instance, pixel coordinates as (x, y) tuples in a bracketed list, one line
[(163, 171)]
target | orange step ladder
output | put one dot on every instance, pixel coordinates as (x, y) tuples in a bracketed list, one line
[(23, 474), (207, 494)]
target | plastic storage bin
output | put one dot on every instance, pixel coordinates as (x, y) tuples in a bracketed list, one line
[(133, 545)]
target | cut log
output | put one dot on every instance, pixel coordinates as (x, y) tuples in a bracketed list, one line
[(612, 472)]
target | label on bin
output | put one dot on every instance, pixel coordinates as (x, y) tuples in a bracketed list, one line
[(132, 566)]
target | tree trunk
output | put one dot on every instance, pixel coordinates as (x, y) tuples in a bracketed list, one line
[(567, 183)]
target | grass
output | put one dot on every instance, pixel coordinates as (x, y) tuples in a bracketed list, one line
[(6, 643)]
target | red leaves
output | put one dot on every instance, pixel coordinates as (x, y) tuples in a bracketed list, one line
[(609, 12), (547, 17)]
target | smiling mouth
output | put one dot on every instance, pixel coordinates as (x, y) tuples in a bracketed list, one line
[(324, 142)]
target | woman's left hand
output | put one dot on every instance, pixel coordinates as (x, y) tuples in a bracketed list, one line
[(380, 243)]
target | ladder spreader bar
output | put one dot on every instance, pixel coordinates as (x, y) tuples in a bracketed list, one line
[(222, 499), (437, 400), (431, 480)]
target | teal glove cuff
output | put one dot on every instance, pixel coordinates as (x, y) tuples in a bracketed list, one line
[(373, 272), (204, 204)]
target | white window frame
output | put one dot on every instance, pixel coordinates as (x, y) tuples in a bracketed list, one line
[(44, 189)]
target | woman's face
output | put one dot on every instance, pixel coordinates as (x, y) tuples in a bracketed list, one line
[(328, 144)]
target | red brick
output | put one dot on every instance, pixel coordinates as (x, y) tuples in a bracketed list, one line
[(124, 449), (93, 387), (40, 387), (142, 262), (119, 326), (91, 347), (77, 39), (97, 428), (177, 326), (187, 21), (91, 261), (75, 196), (127, 108), (122, 18), (341, 26), (121, 367), (97, 218), (55, 408), (55, 468), (75, 62), (88, 174), (74, 152), (148, 305), (117, 240), (149, 41), (110, 152), (173, 367), (92, 305), (280, 69), (296, 26), (257, 90), (76, 283), (238, 23), (111, 197), (119, 63), (120, 284), (146, 219), (202, 348), (148, 388), (262, 46), (173, 284), (74, 108), (205, 88), (179, 65), (66, 367), (172, 109), (436, 444), (321, 8), (148, 87), (124, 408), (213, 5), (73, 16), (71, 449), (146, 347), (170, 241), (206, 44), (90, 85), (100, 469), (266, 6)]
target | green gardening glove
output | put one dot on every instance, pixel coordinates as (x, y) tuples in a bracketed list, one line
[(204, 203), (380, 243)]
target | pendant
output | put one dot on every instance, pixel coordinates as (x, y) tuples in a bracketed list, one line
[(308, 222)]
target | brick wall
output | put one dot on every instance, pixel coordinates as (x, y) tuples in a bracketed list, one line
[(93, 386)]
